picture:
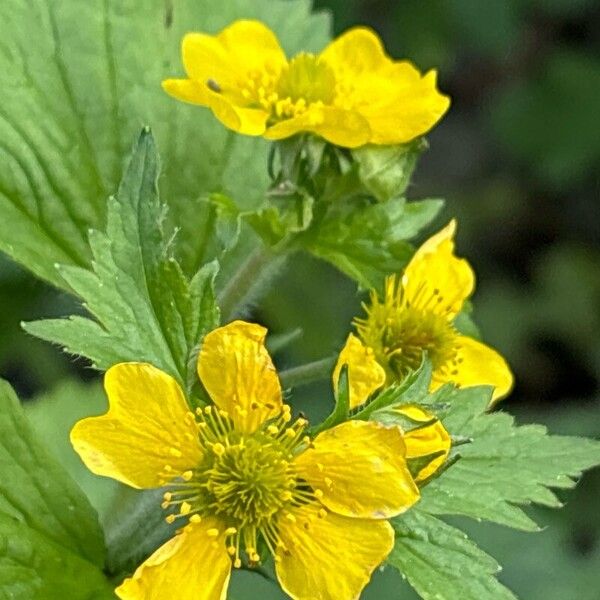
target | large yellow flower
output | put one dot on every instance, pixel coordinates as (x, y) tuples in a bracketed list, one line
[(351, 93), (240, 473), (415, 317)]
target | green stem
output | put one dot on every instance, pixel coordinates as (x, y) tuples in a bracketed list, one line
[(308, 373), (255, 272)]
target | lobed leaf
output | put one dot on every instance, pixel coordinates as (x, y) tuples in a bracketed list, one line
[(145, 308), (441, 563)]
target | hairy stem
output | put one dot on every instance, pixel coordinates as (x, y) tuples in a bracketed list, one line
[(254, 274)]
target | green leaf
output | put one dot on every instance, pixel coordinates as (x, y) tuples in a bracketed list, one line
[(36, 492), (52, 416), (505, 465), (71, 102), (146, 308), (441, 563), (367, 241), (33, 567)]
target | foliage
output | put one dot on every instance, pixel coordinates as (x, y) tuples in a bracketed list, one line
[(50, 539), (69, 108)]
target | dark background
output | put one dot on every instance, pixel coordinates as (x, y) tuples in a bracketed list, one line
[(517, 160)]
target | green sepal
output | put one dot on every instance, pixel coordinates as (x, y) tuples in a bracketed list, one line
[(417, 464), (411, 390), (386, 171), (342, 404)]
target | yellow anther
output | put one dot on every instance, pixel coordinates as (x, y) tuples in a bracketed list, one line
[(185, 508), (230, 531), (231, 550), (290, 433), (218, 449), (224, 414), (167, 468), (187, 475), (237, 563), (212, 532), (175, 452), (195, 519), (318, 494), (272, 430), (167, 496), (286, 496), (199, 412), (165, 505), (290, 517), (170, 519)]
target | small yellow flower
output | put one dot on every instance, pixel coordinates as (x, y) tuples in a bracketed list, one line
[(351, 93), (416, 317), (241, 473)]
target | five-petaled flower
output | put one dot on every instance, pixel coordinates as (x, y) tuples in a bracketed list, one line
[(241, 473), (351, 93), (416, 317)]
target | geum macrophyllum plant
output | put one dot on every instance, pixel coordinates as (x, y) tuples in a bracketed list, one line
[(351, 93), (241, 474), (416, 317)]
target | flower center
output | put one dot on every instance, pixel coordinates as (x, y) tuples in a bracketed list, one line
[(247, 481), (307, 78), (304, 81), (400, 333)]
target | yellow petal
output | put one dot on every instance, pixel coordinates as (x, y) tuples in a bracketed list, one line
[(360, 468), (356, 52), (404, 107), (248, 121), (398, 103), (229, 57), (237, 372), (190, 566), (435, 279), (477, 364), (147, 427), (186, 90), (425, 440), (344, 128), (365, 374), (330, 557)]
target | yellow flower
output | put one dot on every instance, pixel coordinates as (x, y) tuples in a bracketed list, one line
[(351, 93), (240, 474), (416, 316)]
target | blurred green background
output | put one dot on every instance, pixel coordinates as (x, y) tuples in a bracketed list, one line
[(517, 160)]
